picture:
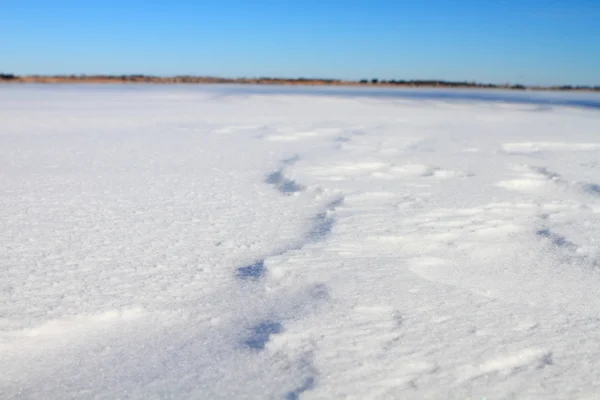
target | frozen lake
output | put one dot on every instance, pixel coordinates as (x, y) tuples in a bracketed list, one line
[(245, 242), (542, 98)]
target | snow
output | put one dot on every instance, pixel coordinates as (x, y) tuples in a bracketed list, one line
[(226, 242)]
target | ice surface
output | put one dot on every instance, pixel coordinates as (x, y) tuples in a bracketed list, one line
[(226, 242)]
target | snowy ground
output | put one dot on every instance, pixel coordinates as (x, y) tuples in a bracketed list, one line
[(214, 244)]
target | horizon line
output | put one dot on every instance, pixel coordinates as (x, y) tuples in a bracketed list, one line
[(191, 78)]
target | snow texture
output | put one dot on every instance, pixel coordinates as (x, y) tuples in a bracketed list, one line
[(233, 243)]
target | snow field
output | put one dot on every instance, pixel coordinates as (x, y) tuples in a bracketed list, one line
[(173, 243)]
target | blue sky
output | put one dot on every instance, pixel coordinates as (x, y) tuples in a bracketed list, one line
[(525, 41)]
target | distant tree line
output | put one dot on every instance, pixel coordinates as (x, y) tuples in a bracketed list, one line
[(8, 77), (575, 87), (142, 78), (441, 83)]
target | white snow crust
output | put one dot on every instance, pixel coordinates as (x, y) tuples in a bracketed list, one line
[(219, 244)]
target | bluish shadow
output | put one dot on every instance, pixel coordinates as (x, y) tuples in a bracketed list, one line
[(283, 184), (322, 227), (555, 238), (308, 384), (592, 188), (260, 334), (252, 272), (324, 222)]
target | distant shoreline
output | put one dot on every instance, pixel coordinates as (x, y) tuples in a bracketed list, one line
[(147, 79)]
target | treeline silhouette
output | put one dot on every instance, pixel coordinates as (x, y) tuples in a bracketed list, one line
[(141, 78), (420, 82)]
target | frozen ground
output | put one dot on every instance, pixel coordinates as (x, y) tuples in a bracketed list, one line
[(222, 244)]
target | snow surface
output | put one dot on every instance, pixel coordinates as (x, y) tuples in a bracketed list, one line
[(217, 243)]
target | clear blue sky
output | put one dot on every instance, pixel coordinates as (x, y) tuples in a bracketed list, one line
[(526, 41)]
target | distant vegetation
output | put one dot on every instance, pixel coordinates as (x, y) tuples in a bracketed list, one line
[(7, 77), (439, 83), (141, 78)]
